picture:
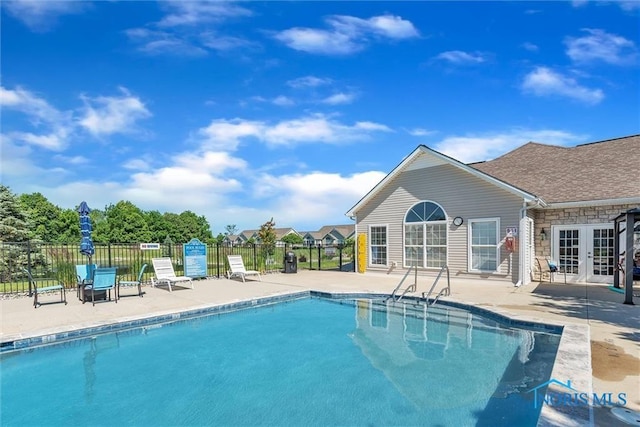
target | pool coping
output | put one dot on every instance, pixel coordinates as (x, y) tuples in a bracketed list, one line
[(572, 363)]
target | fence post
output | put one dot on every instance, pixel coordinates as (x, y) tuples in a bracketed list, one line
[(339, 257), (218, 260), (109, 253), (319, 249), (255, 257), (29, 266)]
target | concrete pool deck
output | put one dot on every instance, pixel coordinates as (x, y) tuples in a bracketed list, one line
[(587, 310)]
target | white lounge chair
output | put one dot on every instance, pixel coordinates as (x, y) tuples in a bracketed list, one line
[(236, 268), (164, 273)]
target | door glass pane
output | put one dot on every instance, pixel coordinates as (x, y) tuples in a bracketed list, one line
[(568, 256), (603, 260)]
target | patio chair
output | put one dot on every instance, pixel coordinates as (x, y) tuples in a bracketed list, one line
[(548, 268), (164, 272), (103, 281), (84, 272), (137, 283), (40, 286), (236, 268)]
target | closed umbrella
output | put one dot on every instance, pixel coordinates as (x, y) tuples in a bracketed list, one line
[(86, 245)]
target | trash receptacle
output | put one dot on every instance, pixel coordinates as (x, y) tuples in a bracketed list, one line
[(290, 263)]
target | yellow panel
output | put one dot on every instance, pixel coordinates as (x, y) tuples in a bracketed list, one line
[(362, 252)]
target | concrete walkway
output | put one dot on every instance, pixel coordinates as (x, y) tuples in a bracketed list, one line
[(614, 327)]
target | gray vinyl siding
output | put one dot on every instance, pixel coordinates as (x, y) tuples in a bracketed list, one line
[(460, 194)]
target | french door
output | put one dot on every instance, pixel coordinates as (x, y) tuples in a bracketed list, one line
[(584, 252)]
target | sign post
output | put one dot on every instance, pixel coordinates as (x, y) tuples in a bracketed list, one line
[(195, 259)]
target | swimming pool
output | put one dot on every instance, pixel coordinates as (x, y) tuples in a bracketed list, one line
[(306, 362)]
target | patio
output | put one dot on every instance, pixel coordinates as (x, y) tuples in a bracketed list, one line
[(594, 309)]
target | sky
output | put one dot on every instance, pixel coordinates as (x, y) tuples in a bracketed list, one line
[(244, 111)]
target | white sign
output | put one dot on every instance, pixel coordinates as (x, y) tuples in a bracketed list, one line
[(149, 246), (512, 231)]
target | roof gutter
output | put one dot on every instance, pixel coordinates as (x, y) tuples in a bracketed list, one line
[(578, 204)]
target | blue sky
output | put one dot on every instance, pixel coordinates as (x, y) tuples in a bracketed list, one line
[(245, 111)]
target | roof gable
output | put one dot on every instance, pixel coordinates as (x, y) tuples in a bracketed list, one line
[(424, 157)]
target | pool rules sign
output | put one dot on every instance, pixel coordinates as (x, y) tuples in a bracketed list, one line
[(195, 259)]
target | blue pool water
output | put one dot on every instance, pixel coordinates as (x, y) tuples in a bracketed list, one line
[(306, 362)]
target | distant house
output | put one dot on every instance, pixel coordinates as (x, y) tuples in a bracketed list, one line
[(247, 235), (329, 235), (491, 219)]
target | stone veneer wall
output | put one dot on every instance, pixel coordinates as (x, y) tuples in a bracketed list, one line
[(545, 218)]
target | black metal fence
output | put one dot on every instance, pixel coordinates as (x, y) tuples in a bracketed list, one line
[(56, 262)]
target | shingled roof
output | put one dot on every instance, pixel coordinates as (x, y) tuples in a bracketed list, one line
[(602, 170)]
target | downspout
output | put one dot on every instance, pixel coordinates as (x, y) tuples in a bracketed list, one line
[(522, 253), (523, 243), (355, 242)]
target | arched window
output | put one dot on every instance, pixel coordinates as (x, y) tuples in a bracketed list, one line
[(425, 236)]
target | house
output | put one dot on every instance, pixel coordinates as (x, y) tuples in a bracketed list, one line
[(246, 235), (329, 235), (491, 219)]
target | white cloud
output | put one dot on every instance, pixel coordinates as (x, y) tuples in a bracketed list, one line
[(107, 115), (222, 134), (318, 41), (475, 148), (39, 15), (283, 101), (24, 101), (347, 34), (309, 81), (153, 42), (462, 58), (224, 43), (420, 132), (41, 115), (226, 135), (599, 45), (339, 98), (183, 13), (54, 141), (530, 47), (545, 82), (318, 197), (74, 160), (136, 164)]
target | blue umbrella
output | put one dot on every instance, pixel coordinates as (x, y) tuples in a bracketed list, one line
[(86, 245)]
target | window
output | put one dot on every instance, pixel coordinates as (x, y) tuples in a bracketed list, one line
[(378, 245), (425, 236), (483, 243)]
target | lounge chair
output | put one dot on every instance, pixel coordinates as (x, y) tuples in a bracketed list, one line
[(40, 286), (236, 268), (103, 280), (137, 283), (84, 272), (163, 269)]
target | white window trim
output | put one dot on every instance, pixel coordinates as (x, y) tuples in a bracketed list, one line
[(446, 222), (370, 240), (469, 244)]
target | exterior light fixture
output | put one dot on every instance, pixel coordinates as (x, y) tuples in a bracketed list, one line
[(543, 235)]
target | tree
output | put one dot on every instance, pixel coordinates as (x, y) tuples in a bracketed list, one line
[(231, 230), (14, 232), (267, 236), (158, 226), (127, 224), (14, 225), (68, 224), (292, 239), (42, 215)]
